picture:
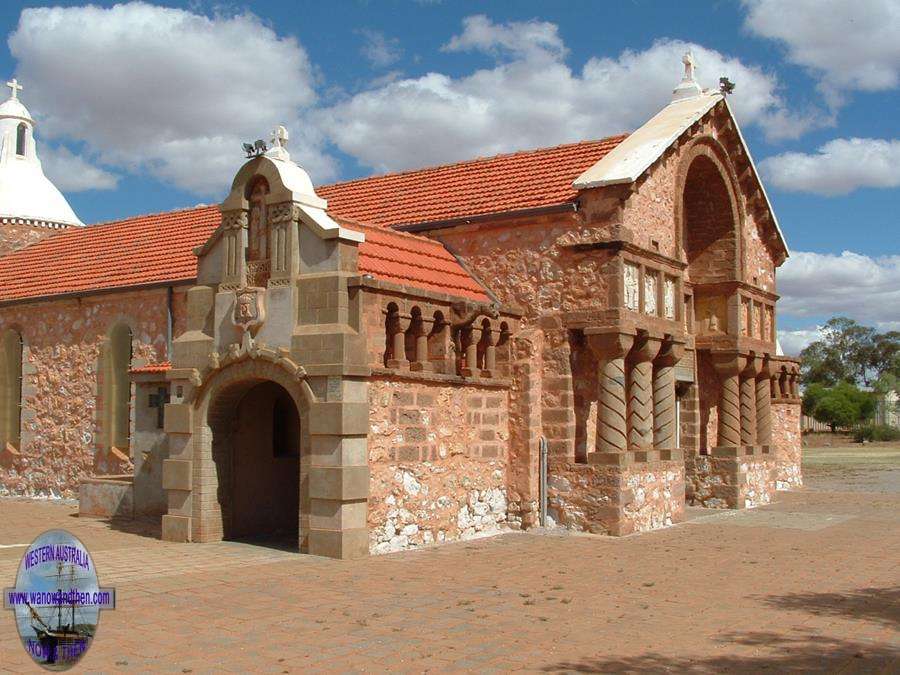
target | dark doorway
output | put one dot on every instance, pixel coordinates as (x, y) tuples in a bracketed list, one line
[(266, 467)]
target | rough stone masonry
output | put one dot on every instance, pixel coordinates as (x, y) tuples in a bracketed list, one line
[(374, 366)]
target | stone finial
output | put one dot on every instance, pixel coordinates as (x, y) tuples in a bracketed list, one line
[(15, 88), (278, 149), (688, 87)]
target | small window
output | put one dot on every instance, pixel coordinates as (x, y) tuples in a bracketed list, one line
[(20, 139)]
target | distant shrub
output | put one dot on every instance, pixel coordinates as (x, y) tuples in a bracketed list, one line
[(876, 432)]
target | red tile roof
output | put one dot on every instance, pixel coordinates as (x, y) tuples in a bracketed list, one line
[(416, 261), (152, 249), (521, 180), (161, 367), (138, 251)]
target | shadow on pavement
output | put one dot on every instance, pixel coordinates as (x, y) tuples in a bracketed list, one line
[(790, 654), (880, 605)]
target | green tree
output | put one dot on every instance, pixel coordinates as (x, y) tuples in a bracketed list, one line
[(850, 352), (842, 405)]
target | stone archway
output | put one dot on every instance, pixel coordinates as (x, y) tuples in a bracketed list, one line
[(257, 442), (253, 455)]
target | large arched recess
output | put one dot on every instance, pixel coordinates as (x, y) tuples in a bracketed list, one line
[(252, 456), (709, 214)]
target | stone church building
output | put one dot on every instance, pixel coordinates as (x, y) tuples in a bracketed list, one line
[(580, 335)]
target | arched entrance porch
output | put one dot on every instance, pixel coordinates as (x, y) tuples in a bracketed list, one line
[(257, 435)]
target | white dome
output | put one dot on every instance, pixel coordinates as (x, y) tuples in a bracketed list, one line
[(26, 194)]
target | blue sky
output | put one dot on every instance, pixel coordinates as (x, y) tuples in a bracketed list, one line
[(141, 107)]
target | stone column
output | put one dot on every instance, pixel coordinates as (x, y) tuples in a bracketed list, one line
[(640, 392), (794, 380), (470, 349), (490, 356), (664, 395), (421, 334), (398, 340), (729, 365), (234, 226), (764, 404), (612, 425), (748, 400)]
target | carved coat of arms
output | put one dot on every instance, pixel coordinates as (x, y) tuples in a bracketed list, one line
[(249, 309)]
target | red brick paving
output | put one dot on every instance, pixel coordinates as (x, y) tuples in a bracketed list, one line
[(809, 583)]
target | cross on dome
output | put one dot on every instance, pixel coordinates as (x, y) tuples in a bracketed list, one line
[(15, 88)]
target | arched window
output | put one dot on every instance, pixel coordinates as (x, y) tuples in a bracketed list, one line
[(117, 388), (11, 388), (20, 139)]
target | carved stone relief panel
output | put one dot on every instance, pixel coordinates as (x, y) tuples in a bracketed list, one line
[(745, 317), (669, 298), (632, 295), (712, 316), (651, 286)]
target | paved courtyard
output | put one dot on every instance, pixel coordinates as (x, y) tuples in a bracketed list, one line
[(809, 583)]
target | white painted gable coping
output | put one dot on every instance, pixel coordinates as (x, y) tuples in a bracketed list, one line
[(632, 157)]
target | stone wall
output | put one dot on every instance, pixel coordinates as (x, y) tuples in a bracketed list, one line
[(14, 236), (60, 402), (788, 450), (730, 478), (438, 462), (617, 500)]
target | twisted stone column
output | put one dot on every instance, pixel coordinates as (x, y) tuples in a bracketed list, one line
[(664, 395), (612, 425), (729, 365), (764, 404), (748, 400), (640, 392)]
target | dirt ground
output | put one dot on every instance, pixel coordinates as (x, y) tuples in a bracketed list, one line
[(810, 583)]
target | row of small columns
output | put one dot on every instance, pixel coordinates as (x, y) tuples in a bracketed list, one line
[(745, 398), (636, 391), (786, 383), (478, 345)]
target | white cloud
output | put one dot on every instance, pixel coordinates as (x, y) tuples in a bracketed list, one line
[(793, 341), (837, 168), (850, 284), (526, 39), (162, 90), (848, 44), (380, 50), (72, 173), (532, 98)]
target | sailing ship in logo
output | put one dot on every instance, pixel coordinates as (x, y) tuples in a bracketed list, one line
[(63, 633)]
